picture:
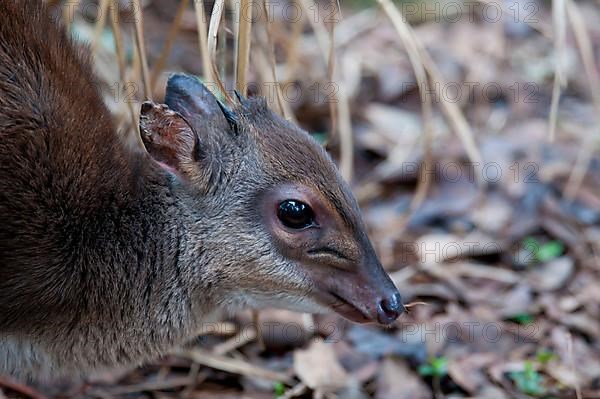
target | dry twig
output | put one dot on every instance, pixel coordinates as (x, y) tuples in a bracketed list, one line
[(235, 366), (100, 23), (559, 19), (591, 142), (141, 48), (203, 41), (164, 54), (243, 46), (116, 28), (421, 62)]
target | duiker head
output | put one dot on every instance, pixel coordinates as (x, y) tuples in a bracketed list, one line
[(280, 226)]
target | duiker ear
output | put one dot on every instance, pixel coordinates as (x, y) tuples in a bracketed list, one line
[(188, 96), (169, 138)]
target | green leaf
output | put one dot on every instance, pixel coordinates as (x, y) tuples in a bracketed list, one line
[(279, 389), (531, 244), (528, 381), (522, 318), (544, 356), (437, 367), (440, 364), (425, 370), (550, 250)]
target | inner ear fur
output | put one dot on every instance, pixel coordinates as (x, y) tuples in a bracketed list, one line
[(176, 146), (168, 137)]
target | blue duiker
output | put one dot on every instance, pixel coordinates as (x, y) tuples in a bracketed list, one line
[(111, 255)]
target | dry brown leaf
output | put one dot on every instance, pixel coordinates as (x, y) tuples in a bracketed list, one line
[(467, 370), (552, 275), (318, 367), (398, 381)]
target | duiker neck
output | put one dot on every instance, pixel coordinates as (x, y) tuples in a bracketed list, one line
[(158, 237)]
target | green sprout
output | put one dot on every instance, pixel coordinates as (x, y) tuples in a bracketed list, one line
[(522, 318), (436, 367), (279, 389), (543, 252), (544, 356), (528, 380)]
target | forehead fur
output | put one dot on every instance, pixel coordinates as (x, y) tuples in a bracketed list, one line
[(291, 154)]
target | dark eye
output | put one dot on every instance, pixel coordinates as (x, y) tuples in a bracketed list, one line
[(295, 214)]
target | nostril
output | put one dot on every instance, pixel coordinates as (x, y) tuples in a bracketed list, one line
[(390, 308)]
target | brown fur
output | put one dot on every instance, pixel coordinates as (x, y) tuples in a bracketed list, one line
[(111, 256)]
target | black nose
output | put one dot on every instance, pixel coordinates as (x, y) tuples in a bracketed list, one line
[(390, 309)]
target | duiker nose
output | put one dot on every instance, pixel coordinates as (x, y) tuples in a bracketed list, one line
[(390, 308)]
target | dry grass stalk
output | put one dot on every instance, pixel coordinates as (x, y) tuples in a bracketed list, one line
[(330, 75), (114, 22), (242, 57), (213, 29), (413, 304), (134, 72), (319, 29), (346, 140), (422, 62), (235, 28), (116, 28), (576, 384), (559, 20), (235, 366), (412, 48), (203, 41), (258, 328), (284, 107), (341, 104), (345, 130), (455, 117), (141, 48), (414, 56), (223, 62), (166, 51), (261, 63), (68, 12), (237, 341), (586, 50), (100, 23), (151, 385), (192, 374), (308, 322), (292, 54), (297, 390), (340, 98)]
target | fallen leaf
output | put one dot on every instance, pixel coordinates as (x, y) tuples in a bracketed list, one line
[(318, 367), (397, 381), (551, 275), (468, 370)]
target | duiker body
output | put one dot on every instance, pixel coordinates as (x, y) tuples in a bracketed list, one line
[(111, 255)]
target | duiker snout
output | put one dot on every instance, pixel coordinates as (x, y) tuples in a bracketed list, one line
[(363, 294)]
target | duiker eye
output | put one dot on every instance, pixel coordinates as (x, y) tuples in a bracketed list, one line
[(295, 214)]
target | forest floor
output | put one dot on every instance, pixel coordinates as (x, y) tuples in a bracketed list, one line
[(490, 229)]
